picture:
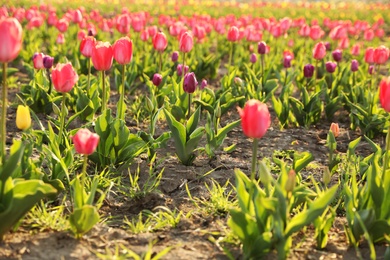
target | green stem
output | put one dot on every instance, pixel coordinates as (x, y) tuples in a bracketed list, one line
[(104, 98), (231, 54), (122, 106), (160, 62), (89, 73), (85, 164), (184, 63), (189, 106), (49, 78), (253, 170), (62, 118), (262, 71), (3, 134), (386, 162), (285, 79)]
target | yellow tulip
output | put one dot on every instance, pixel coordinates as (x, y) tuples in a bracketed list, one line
[(23, 118)]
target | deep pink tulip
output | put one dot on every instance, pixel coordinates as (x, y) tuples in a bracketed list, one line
[(87, 45), (190, 83), (123, 50), (233, 34), (255, 118), (157, 79), (384, 93), (85, 142), (102, 56), (62, 25), (369, 55), (319, 51), (38, 61), (160, 41), (11, 39), (186, 42), (381, 55), (64, 77)]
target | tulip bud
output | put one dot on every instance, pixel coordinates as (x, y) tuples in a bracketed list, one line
[(175, 56), (327, 46), (334, 128), (160, 41), (38, 61), (371, 69), (85, 142), (381, 55), (384, 93), (319, 51), (369, 55), (157, 79), (330, 66), (11, 39), (233, 34), (180, 69), (291, 181), (308, 70), (23, 118), (48, 61), (238, 81), (190, 83), (337, 55), (186, 42), (64, 77), (123, 50), (203, 84), (354, 65), (262, 48), (265, 174), (102, 56), (287, 61), (253, 58), (86, 46), (255, 118)]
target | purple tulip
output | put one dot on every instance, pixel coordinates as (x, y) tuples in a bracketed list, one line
[(308, 70), (180, 70), (175, 56), (330, 66), (354, 65), (262, 48), (253, 58), (287, 61), (203, 84), (190, 83), (157, 79), (337, 55), (48, 61)]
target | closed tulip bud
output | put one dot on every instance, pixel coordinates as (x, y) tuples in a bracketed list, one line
[(381, 55), (233, 34), (203, 84), (291, 181), (186, 42), (38, 61), (48, 61), (255, 118), (60, 38), (262, 48), (337, 55), (319, 51), (23, 118), (85, 142), (62, 25), (287, 61), (160, 41), (11, 39), (371, 69), (354, 65), (86, 46), (238, 81), (308, 70), (102, 56), (190, 83), (327, 46), (253, 58), (123, 50), (355, 50), (265, 174), (334, 128), (64, 77), (330, 66), (369, 55), (384, 93), (175, 56), (182, 71), (157, 79)]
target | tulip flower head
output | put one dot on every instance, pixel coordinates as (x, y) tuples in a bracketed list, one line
[(48, 62), (255, 118), (369, 55), (330, 66), (181, 70), (123, 50), (160, 41), (23, 118), (354, 65), (203, 84), (102, 56), (337, 55), (384, 93), (85, 142), (308, 70), (86, 46), (190, 82), (233, 34), (11, 39), (175, 56), (253, 58), (64, 77), (371, 69), (319, 51), (186, 42), (287, 61), (381, 55), (38, 61), (262, 48), (334, 128), (157, 79)]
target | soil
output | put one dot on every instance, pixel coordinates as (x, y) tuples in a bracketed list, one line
[(199, 235)]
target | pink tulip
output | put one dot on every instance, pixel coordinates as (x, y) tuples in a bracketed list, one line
[(64, 77), (38, 61), (319, 51), (160, 41), (123, 50), (186, 42), (384, 93), (102, 56), (11, 39), (85, 142), (255, 118)]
